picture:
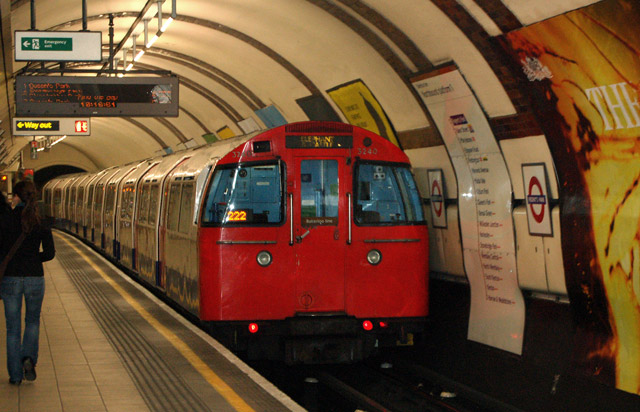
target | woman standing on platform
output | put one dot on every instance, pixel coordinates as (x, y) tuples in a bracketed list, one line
[(24, 277)]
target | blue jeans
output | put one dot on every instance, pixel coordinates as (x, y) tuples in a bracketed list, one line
[(12, 290)]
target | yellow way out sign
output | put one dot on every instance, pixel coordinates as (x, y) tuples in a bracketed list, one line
[(52, 127)]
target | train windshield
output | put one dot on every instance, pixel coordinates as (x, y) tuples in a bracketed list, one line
[(245, 194), (386, 194)]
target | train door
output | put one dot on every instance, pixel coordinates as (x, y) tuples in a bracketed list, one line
[(161, 233), (320, 226)]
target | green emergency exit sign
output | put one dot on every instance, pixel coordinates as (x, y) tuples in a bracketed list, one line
[(58, 46), (47, 43)]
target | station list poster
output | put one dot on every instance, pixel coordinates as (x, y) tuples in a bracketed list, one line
[(582, 70), (497, 310)]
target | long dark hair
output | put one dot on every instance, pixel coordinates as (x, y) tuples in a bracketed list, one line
[(26, 191), (4, 205)]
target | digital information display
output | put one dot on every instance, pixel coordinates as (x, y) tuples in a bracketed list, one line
[(96, 96), (318, 142)]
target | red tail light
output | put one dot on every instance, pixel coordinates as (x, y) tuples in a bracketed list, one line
[(367, 325), (253, 327), (383, 324)]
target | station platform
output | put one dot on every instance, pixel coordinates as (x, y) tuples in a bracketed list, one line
[(107, 344)]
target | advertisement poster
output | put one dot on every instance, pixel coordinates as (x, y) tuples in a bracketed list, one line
[(583, 72), (361, 109), (271, 117), (436, 198), (497, 307), (225, 133), (536, 198)]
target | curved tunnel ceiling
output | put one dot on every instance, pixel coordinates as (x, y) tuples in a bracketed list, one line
[(234, 57)]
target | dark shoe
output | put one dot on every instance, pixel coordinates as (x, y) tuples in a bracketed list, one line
[(17, 383), (29, 369)]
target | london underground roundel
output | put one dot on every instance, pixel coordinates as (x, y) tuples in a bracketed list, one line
[(536, 199), (436, 198)]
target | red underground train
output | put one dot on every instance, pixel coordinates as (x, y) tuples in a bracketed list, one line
[(306, 242)]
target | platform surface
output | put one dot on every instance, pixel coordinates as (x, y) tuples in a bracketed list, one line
[(106, 344)]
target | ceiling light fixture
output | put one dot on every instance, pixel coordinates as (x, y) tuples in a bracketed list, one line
[(162, 27)]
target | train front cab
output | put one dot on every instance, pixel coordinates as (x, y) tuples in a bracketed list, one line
[(314, 231)]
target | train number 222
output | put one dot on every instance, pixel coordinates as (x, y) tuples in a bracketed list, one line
[(236, 216)]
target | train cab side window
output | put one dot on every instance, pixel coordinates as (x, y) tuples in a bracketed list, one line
[(386, 194), (246, 194)]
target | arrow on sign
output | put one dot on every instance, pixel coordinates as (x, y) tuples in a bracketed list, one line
[(26, 43), (20, 124)]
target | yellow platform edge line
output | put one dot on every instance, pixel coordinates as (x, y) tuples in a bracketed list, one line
[(209, 375)]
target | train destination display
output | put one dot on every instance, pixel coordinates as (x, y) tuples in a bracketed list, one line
[(96, 96)]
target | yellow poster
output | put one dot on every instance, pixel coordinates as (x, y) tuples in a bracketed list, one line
[(361, 109), (225, 133)]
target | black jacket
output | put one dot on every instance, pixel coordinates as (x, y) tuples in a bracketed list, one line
[(28, 259)]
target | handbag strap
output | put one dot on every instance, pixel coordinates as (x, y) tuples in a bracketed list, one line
[(13, 250)]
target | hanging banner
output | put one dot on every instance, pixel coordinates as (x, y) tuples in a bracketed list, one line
[(582, 70), (484, 202), (361, 109)]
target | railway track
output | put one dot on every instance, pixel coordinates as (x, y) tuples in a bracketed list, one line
[(379, 386)]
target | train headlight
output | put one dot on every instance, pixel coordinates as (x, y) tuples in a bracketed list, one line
[(374, 256), (264, 258)]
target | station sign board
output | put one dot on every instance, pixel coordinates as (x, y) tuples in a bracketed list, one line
[(51, 96), (70, 46), (69, 126)]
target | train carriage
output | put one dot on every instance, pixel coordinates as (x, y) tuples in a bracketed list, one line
[(313, 223), (291, 243), (148, 227), (97, 207), (83, 212), (77, 210), (113, 193), (128, 213)]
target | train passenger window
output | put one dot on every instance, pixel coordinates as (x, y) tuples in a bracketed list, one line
[(81, 196), (154, 203), (110, 199), (245, 194), (57, 196), (185, 207), (87, 212), (386, 194), (126, 206), (143, 206), (67, 200), (97, 205), (72, 200), (173, 214), (319, 192)]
